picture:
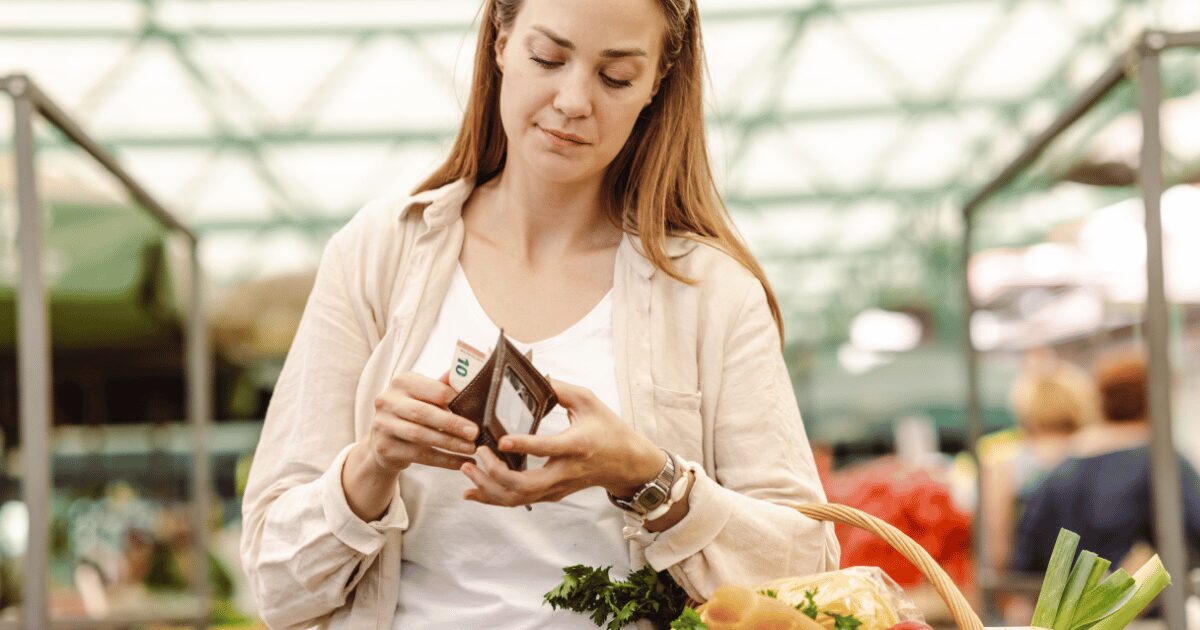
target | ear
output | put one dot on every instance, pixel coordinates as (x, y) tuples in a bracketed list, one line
[(501, 42)]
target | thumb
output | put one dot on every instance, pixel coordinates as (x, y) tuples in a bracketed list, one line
[(571, 396), (445, 377)]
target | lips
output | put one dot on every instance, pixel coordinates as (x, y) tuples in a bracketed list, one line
[(562, 137)]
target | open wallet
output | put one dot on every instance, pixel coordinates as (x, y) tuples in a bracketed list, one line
[(508, 395)]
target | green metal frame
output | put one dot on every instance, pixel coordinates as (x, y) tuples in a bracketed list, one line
[(924, 210)]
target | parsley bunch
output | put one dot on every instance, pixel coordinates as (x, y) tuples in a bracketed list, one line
[(644, 595)]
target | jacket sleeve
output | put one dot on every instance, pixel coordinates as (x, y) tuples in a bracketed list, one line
[(738, 529), (302, 547)]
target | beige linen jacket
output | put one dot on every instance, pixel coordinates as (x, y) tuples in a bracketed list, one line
[(699, 370)]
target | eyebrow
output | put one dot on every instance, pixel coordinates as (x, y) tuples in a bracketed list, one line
[(610, 53)]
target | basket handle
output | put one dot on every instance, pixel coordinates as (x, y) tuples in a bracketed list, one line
[(845, 515)]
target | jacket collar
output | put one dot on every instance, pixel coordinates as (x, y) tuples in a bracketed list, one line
[(631, 247), (442, 206)]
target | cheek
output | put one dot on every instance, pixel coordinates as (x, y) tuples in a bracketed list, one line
[(517, 103), (618, 121)]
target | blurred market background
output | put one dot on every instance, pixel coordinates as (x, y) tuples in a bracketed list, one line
[(847, 134)]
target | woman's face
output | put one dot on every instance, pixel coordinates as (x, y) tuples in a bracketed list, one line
[(576, 74)]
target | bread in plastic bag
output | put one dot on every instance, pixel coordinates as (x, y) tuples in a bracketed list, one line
[(737, 608), (865, 592)]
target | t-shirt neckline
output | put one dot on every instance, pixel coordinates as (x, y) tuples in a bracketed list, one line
[(590, 322)]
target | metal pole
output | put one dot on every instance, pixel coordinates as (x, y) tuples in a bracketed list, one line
[(199, 413), (1165, 484), (1180, 39), (33, 364), (974, 420)]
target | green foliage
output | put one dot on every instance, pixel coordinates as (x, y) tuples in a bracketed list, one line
[(809, 605), (615, 604), (689, 620), (843, 622)]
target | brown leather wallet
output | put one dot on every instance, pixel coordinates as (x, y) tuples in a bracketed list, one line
[(508, 395)]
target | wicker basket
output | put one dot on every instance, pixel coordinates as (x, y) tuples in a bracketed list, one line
[(959, 608), (845, 515)]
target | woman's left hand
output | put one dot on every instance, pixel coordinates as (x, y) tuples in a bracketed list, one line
[(598, 449)]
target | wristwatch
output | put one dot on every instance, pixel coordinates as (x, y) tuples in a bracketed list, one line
[(653, 494)]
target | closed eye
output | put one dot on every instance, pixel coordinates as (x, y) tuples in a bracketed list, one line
[(609, 81), (544, 63), (615, 82)]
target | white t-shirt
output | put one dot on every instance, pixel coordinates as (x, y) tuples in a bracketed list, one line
[(469, 565)]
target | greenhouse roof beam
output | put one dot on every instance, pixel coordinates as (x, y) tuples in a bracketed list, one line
[(452, 26)]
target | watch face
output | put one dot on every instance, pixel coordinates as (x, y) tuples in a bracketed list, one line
[(651, 497)]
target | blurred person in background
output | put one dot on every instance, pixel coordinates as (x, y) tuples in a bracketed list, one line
[(1052, 400), (1103, 491), (577, 212)]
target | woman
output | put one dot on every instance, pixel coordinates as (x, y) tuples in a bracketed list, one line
[(577, 211)]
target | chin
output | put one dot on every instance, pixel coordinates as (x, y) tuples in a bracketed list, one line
[(560, 169)]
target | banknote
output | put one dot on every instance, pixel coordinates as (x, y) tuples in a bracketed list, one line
[(467, 362)]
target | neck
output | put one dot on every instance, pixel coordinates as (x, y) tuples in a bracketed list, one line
[(541, 220), (1112, 436)]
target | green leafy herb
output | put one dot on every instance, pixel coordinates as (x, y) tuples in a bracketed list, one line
[(809, 605), (689, 620), (645, 595), (843, 622), (770, 593)]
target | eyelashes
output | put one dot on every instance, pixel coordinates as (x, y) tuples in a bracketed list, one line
[(609, 81)]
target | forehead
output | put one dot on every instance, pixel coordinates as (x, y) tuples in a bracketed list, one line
[(596, 25)]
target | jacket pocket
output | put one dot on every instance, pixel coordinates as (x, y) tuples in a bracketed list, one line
[(680, 424)]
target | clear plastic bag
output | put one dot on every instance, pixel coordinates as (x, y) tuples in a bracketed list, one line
[(865, 592)]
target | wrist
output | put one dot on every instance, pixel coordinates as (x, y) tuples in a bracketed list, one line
[(647, 462), (362, 465)]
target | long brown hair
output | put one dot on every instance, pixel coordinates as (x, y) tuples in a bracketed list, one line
[(660, 183)]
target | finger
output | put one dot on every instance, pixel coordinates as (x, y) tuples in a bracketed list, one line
[(424, 413), (430, 457), (563, 444), (424, 388), (420, 435), (486, 488), (531, 485), (572, 396), (445, 378)]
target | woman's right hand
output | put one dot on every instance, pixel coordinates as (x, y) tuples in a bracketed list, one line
[(410, 420)]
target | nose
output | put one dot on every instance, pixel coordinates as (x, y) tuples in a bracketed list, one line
[(574, 98)]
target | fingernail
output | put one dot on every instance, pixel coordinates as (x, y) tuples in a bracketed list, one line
[(471, 431)]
